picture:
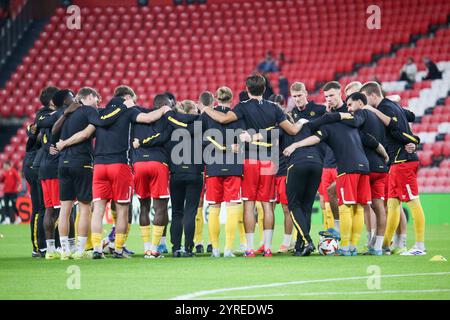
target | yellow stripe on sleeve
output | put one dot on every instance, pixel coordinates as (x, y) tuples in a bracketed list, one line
[(178, 123), (150, 138), (109, 115), (216, 144), (410, 137)]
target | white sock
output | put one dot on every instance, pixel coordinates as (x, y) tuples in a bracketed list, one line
[(369, 237), (147, 246), (402, 241), (249, 237), (72, 244), (372, 241), (345, 248), (336, 225), (287, 239), (268, 234), (65, 244), (112, 245), (81, 244), (395, 240), (50, 245), (378, 242), (153, 248), (420, 245), (162, 241)]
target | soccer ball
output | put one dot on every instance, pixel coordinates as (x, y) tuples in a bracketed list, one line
[(327, 246)]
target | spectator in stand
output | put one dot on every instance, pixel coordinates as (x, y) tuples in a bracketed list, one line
[(12, 181), (409, 71), (283, 87), (269, 90), (268, 64), (281, 61), (433, 71)]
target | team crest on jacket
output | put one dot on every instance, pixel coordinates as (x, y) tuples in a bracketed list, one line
[(312, 113)]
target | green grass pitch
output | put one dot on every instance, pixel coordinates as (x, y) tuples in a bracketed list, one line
[(280, 277)]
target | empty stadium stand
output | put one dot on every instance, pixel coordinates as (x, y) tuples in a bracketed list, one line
[(188, 49)]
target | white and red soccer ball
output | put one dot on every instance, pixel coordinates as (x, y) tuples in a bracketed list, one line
[(327, 246)]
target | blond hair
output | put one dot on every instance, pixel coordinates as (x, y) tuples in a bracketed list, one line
[(85, 91), (298, 86), (186, 106), (354, 85), (224, 94)]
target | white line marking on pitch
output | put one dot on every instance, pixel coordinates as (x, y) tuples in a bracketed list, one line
[(197, 294), (329, 293)]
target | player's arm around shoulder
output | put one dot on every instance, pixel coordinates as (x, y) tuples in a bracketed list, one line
[(78, 137), (153, 115)]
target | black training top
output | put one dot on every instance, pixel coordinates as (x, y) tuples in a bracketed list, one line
[(81, 154), (49, 163), (399, 132), (372, 127), (261, 116), (345, 141), (310, 112), (112, 143), (40, 114), (152, 138), (217, 141)]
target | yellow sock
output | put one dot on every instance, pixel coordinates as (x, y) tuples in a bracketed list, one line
[(260, 211), (325, 218), (392, 220), (419, 219), (345, 218), (233, 213), (97, 241), (77, 218), (330, 218), (157, 234), (89, 244), (120, 241), (214, 226), (357, 223), (242, 238), (114, 215), (198, 226), (127, 233), (145, 233)]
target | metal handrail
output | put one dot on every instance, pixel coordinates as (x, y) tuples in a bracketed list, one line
[(12, 31)]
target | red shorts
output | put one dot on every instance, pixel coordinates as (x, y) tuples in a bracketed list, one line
[(353, 188), (403, 181), (328, 177), (378, 181), (113, 182), (280, 185), (258, 183), (50, 190), (223, 189), (151, 180)]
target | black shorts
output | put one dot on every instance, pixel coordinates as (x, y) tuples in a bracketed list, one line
[(75, 184)]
